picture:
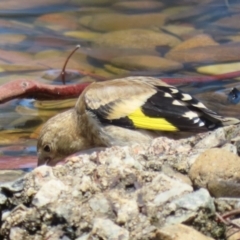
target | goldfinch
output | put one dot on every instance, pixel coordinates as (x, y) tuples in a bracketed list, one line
[(121, 112)]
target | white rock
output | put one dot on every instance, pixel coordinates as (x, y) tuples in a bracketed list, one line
[(106, 229), (49, 193)]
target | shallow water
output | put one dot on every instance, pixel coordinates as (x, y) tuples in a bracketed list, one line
[(37, 36)]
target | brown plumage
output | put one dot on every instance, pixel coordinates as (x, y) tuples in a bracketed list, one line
[(123, 111)]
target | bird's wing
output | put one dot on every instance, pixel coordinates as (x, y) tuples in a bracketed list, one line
[(148, 103)]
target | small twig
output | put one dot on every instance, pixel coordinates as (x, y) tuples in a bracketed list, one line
[(66, 62), (230, 213), (227, 221), (222, 219)]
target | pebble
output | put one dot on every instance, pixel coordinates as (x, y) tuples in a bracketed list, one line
[(218, 171), (189, 205), (99, 204), (106, 229), (195, 201), (172, 189), (44, 196), (180, 232)]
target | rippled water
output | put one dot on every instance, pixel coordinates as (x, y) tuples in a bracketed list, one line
[(118, 38)]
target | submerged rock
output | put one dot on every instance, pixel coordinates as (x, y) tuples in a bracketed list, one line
[(116, 21), (146, 63), (135, 39)]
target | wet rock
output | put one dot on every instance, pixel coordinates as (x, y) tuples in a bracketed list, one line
[(229, 22), (13, 6), (82, 34), (234, 38), (181, 31), (7, 39), (91, 3), (200, 40), (218, 171), (57, 21), (146, 63), (47, 54), (208, 54), (106, 53), (180, 232), (179, 11), (10, 175), (219, 68), (115, 70), (135, 39), (138, 6), (112, 22), (14, 56)]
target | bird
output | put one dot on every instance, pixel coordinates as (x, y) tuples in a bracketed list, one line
[(121, 112)]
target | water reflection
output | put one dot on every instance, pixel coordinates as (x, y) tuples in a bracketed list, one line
[(160, 38)]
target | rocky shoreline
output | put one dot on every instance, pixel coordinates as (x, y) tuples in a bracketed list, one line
[(172, 189)]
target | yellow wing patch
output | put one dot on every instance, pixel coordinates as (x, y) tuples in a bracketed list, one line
[(140, 120)]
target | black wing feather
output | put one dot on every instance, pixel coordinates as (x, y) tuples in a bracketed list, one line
[(161, 106)]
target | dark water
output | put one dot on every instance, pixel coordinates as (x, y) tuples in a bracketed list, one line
[(37, 37)]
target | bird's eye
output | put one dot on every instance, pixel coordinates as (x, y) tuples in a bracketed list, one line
[(47, 148)]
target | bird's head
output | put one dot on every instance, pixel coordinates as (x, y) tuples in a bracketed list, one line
[(59, 137)]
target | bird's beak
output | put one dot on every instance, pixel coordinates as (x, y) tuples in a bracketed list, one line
[(43, 160)]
